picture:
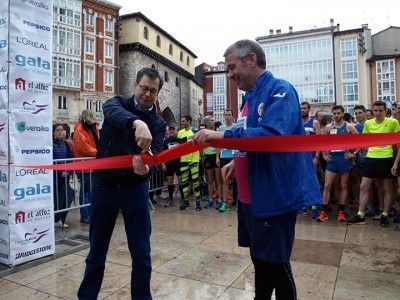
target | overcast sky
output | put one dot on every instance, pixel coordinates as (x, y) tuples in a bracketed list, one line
[(208, 27)]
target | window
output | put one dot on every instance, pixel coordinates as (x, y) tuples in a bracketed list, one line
[(188, 61), (62, 102), (66, 71), (171, 49), (89, 74), (349, 69), (108, 80), (219, 84), (99, 106), (181, 56), (89, 104), (166, 78), (177, 81), (153, 66), (350, 92), (158, 41), (385, 80), (146, 33), (89, 45), (89, 19), (109, 25), (108, 50), (67, 15), (348, 47)]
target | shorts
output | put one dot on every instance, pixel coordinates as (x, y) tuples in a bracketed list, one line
[(210, 161), (377, 167), (269, 239), (338, 164), (224, 161), (173, 167)]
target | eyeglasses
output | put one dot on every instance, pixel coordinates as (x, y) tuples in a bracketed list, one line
[(146, 89)]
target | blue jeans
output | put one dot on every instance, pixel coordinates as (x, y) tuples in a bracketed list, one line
[(85, 195), (134, 204)]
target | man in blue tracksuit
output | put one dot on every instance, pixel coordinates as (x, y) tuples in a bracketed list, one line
[(131, 125), (280, 184)]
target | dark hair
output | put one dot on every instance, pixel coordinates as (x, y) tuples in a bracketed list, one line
[(348, 117), (306, 103), (379, 103), (362, 107), (188, 118), (316, 113), (326, 119), (370, 111), (217, 124), (57, 125), (336, 107), (151, 73), (244, 48)]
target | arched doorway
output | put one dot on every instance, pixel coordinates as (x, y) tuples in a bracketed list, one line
[(168, 116)]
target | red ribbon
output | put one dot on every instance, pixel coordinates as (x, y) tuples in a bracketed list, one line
[(291, 143)]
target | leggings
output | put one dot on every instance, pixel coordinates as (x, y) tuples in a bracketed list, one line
[(191, 169), (273, 276)]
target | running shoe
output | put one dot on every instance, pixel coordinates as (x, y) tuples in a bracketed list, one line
[(218, 205), (170, 203), (223, 208), (341, 216), (214, 195), (209, 204), (314, 213), (322, 217), (396, 219), (229, 196), (384, 221), (302, 211), (378, 215), (356, 220), (198, 207)]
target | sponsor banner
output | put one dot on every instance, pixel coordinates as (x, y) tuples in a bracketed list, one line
[(3, 55), (30, 240), (21, 154), (30, 193), (4, 228), (3, 137), (25, 126)]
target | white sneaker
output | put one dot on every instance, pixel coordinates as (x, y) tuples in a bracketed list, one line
[(59, 224)]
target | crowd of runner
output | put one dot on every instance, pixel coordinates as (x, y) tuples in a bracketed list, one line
[(356, 182)]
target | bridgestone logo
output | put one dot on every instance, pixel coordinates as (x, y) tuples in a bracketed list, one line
[(32, 252)]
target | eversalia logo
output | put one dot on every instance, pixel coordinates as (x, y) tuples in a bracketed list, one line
[(36, 235), (35, 62), (2, 126), (33, 107), (38, 4), (30, 191)]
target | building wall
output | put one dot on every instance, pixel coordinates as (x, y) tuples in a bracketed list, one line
[(177, 98), (132, 30), (387, 42), (95, 93), (196, 103), (373, 79), (66, 56), (363, 72)]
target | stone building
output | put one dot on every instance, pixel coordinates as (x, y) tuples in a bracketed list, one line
[(142, 43)]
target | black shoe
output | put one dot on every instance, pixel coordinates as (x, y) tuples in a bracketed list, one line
[(187, 203), (182, 206), (356, 220), (384, 221), (198, 207), (170, 203)]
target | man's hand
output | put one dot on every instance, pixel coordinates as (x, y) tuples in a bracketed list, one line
[(207, 135), (142, 134), (139, 167), (326, 157), (228, 170)]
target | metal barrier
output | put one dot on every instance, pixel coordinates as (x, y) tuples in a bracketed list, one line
[(75, 187)]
